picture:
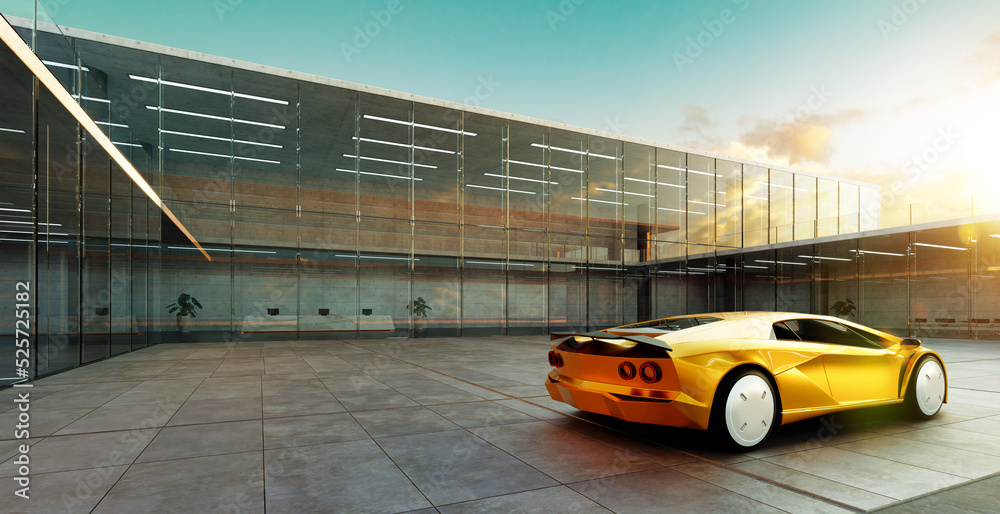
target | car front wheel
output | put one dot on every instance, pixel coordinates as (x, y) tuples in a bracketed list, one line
[(745, 410), (927, 388)]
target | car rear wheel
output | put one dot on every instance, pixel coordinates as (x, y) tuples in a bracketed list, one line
[(745, 410), (927, 388)]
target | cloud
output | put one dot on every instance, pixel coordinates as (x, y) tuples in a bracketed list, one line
[(986, 59), (796, 139)]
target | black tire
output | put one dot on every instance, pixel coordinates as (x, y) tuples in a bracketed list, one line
[(745, 411), (927, 389)]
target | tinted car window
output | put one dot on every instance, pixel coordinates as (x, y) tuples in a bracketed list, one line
[(830, 332), (782, 332)]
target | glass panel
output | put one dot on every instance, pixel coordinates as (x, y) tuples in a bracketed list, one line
[(527, 288), (384, 172), (793, 280), (849, 208), (759, 270), (884, 287), (328, 280), (671, 203), (384, 272), (755, 206), (264, 140), (640, 193), (871, 208), (96, 265), (567, 283), (781, 206), (805, 207), (941, 287), (702, 202), (197, 133), (527, 174), (327, 134), (568, 199), (437, 138), (484, 281), (669, 289), (729, 224), (483, 192), (700, 280), (835, 271), (436, 280), (122, 320), (985, 281), (827, 208)]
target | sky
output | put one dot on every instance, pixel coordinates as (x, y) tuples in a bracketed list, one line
[(901, 93)]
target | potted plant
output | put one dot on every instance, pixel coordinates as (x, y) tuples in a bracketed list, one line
[(844, 308), (419, 310), (185, 309), (418, 307)]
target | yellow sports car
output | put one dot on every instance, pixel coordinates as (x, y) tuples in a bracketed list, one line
[(740, 374)]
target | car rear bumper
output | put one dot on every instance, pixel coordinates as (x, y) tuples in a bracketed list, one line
[(641, 409)]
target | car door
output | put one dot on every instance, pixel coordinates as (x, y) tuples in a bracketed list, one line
[(858, 369)]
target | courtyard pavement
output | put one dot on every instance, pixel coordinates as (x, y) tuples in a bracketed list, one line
[(458, 425)]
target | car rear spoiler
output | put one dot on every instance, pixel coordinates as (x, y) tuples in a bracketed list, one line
[(600, 334)]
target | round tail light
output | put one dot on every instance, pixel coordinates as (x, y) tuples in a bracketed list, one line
[(650, 372), (555, 360), (626, 370)]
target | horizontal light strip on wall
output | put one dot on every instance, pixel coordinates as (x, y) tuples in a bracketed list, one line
[(224, 156), (92, 99), (626, 192), (418, 125), (696, 172), (217, 138), (941, 246), (754, 267), (208, 89), (5, 231), (221, 250), (214, 117), (781, 186), (61, 65), (598, 201), (31, 223), (706, 203), (16, 131), (755, 198), (500, 189), (119, 125), (994, 235), (389, 161), (126, 144), (578, 152), (676, 210), (877, 253), (825, 258), (378, 257), (657, 183), (377, 174), (543, 166), (14, 210), (521, 178), (494, 263), (784, 262), (404, 145)]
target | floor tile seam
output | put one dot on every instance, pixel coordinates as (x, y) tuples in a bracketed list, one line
[(129, 467), (935, 492), (765, 480), (977, 390), (465, 502), (942, 446), (182, 403), (393, 461), (720, 464), (807, 493), (952, 445)]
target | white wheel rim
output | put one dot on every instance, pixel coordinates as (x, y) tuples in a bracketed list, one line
[(749, 410), (930, 387)]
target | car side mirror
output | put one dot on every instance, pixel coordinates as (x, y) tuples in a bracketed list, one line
[(910, 341)]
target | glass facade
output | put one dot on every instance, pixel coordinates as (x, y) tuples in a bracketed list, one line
[(331, 212)]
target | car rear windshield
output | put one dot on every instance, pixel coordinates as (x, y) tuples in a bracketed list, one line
[(674, 324)]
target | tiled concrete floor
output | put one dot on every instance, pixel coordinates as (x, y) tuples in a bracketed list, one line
[(457, 425)]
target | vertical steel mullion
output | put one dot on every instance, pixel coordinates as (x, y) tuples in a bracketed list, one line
[(461, 224), (505, 160), (357, 215), (298, 207), (232, 202)]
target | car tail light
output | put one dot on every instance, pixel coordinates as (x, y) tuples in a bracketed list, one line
[(555, 360), (650, 372), (626, 370)]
